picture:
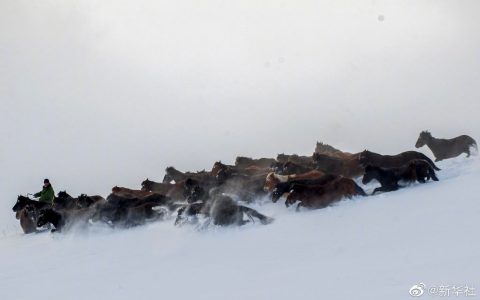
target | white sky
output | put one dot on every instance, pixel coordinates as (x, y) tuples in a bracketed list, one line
[(102, 93)]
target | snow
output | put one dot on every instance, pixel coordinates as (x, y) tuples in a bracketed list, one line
[(373, 247)]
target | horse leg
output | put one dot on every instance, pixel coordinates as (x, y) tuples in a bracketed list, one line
[(298, 207), (180, 215), (253, 213)]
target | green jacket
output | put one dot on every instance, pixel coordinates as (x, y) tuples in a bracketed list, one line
[(46, 195)]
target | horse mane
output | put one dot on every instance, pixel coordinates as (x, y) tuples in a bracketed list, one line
[(326, 147)]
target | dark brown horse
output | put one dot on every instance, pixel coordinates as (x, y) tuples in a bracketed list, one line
[(446, 148), (321, 196), (283, 188), (392, 161)]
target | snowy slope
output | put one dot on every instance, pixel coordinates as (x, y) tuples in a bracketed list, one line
[(367, 248)]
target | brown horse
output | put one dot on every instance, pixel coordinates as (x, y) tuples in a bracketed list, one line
[(321, 196), (273, 179), (345, 165), (245, 162), (326, 149), (392, 161), (28, 219), (446, 148), (129, 193)]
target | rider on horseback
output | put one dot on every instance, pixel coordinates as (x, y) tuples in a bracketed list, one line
[(47, 194)]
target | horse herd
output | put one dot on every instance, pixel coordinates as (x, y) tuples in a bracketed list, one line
[(222, 194)]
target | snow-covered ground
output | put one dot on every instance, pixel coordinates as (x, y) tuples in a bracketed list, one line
[(368, 248)]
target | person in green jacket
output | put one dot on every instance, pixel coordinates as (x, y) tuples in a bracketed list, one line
[(47, 194)]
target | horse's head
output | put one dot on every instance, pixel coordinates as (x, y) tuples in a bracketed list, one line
[(196, 194), (222, 176), (169, 175), (146, 185), (282, 157), (423, 138), (63, 195), (364, 157), (217, 167), (370, 174), (277, 194), (84, 201), (242, 160), (21, 203)]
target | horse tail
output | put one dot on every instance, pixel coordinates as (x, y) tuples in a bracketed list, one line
[(359, 190), (430, 162)]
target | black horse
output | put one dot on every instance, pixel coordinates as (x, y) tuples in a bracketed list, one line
[(446, 148), (417, 170), (392, 161), (23, 201)]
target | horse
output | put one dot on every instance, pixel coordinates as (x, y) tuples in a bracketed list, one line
[(246, 187), (64, 219), (392, 161), (64, 201), (273, 179), (129, 193), (172, 190), (322, 148), (223, 211), (117, 200), (28, 219), (23, 201), (346, 165), (301, 160), (245, 162), (283, 188), (228, 169), (290, 168), (416, 170), (131, 211), (321, 196), (446, 148), (85, 201), (172, 174)]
